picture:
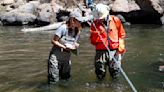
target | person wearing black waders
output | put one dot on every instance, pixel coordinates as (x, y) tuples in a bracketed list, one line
[(107, 35), (64, 41)]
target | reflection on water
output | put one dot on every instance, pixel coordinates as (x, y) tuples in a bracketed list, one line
[(23, 62)]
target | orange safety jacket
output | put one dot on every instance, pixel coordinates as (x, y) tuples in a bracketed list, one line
[(116, 35)]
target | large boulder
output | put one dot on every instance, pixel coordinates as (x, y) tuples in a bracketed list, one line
[(45, 14), (30, 7), (13, 18), (125, 6), (139, 11), (150, 6), (22, 15)]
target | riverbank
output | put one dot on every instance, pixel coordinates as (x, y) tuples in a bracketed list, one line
[(37, 12)]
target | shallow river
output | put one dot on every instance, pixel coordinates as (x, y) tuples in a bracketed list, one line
[(23, 62)]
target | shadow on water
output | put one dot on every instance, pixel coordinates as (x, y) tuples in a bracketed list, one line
[(23, 62)]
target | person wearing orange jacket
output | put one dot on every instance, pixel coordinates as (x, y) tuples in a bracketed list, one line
[(107, 31)]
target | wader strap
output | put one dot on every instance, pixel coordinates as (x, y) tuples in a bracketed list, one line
[(107, 29)]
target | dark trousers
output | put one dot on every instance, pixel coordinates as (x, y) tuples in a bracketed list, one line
[(102, 61), (59, 65)]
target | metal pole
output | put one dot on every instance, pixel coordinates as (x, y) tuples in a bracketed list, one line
[(122, 71)]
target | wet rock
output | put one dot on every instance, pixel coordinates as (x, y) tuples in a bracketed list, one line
[(161, 68), (162, 19)]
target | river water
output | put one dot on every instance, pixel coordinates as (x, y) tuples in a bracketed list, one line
[(23, 62)]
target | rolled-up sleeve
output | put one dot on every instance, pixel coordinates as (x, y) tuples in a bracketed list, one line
[(60, 31)]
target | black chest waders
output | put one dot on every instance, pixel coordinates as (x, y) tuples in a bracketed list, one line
[(106, 25)]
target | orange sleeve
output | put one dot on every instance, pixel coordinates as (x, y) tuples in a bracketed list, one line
[(121, 35), (93, 35)]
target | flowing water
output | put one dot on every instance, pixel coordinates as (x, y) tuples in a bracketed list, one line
[(23, 62)]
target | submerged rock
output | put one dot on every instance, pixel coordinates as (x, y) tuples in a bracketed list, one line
[(53, 26), (161, 68)]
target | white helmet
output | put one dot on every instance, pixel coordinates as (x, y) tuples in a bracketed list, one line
[(101, 11)]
